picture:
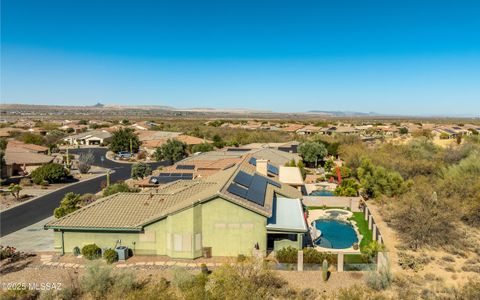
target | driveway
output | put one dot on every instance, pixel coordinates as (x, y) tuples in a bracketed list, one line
[(42, 207)]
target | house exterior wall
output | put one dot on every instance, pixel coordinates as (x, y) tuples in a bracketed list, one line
[(226, 227), (231, 230), (150, 242)]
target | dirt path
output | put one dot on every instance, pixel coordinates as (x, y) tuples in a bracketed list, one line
[(389, 236)]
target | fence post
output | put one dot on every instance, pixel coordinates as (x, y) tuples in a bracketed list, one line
[(370, 222), (374, 232), (340, 262), (300, 261), (382, 260), (366, 212)]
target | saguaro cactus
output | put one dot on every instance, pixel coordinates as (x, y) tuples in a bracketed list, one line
[(108, 178), (325, 270)]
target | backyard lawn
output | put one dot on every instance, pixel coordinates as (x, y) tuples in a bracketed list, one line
[(362, 224)]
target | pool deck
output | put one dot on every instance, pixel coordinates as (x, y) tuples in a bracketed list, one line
[(322, 214)]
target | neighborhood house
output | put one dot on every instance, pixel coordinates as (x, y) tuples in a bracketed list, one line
[(231, 212)]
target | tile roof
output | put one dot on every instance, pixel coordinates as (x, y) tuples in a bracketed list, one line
[(17, 146), (27, 158), (132, 211), (187, 139)]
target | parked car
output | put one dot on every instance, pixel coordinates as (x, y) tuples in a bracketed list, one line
[(123, 155)]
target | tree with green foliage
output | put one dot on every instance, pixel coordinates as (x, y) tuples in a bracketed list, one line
[(51, 173), (32, 138), (173, 150), (312, 152), (403, 130), (123, 140), (218, 141), (140, 170), (120, 187), (15, 189), (3, 144), (70, 203), (348, 188), (203, 147), (376, 180)]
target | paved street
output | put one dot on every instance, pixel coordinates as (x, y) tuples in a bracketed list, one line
[(42, 207)]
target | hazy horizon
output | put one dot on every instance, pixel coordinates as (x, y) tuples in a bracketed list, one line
[(409, 58)]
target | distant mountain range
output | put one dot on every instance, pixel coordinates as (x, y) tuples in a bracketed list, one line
[(343, 113), (106, 109)]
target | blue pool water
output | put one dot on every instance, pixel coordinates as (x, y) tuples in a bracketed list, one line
[(335, 234), (321, 193)]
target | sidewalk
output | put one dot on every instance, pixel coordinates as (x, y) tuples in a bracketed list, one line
[(31, 239)]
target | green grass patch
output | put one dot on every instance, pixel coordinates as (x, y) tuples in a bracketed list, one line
[(354, 259), (362, 224)]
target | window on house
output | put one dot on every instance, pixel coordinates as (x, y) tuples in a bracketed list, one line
[(198, 241), (177, 242)]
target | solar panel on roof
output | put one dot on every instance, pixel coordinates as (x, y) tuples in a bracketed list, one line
[(176, 175), (256, 191), (237, 190), (185, 167), (238, 149), (449, 131), (243, 178), (272, 169), (253, 161), (274, 183)]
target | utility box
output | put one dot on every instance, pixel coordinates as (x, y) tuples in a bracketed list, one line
[(122, 252)]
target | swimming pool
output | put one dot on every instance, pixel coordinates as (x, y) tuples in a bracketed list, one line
[(335, 234), (322, 193)]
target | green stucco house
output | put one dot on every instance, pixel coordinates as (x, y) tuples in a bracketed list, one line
[(231, 211)]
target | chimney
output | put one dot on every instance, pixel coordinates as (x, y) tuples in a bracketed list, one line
[(262, 166)]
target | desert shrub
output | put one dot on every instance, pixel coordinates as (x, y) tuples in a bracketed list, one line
[(312, 256), (287, 255), (7, 252), (191, 286), (470, 290), (110, 256), (26, 182), (87, 198), (161, 290), (247, 281), (91, 251), (19, 294), (97, 280), (140, 170), (51, 173), (448, 258), (85, 161), (120, 187), (241, 258), (424, 219), (471, 268), (371, 250), (204, 147), (410, 262), (379, 280), (141, 155), (70, 203)]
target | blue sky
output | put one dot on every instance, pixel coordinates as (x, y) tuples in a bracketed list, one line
[(396, 57)]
